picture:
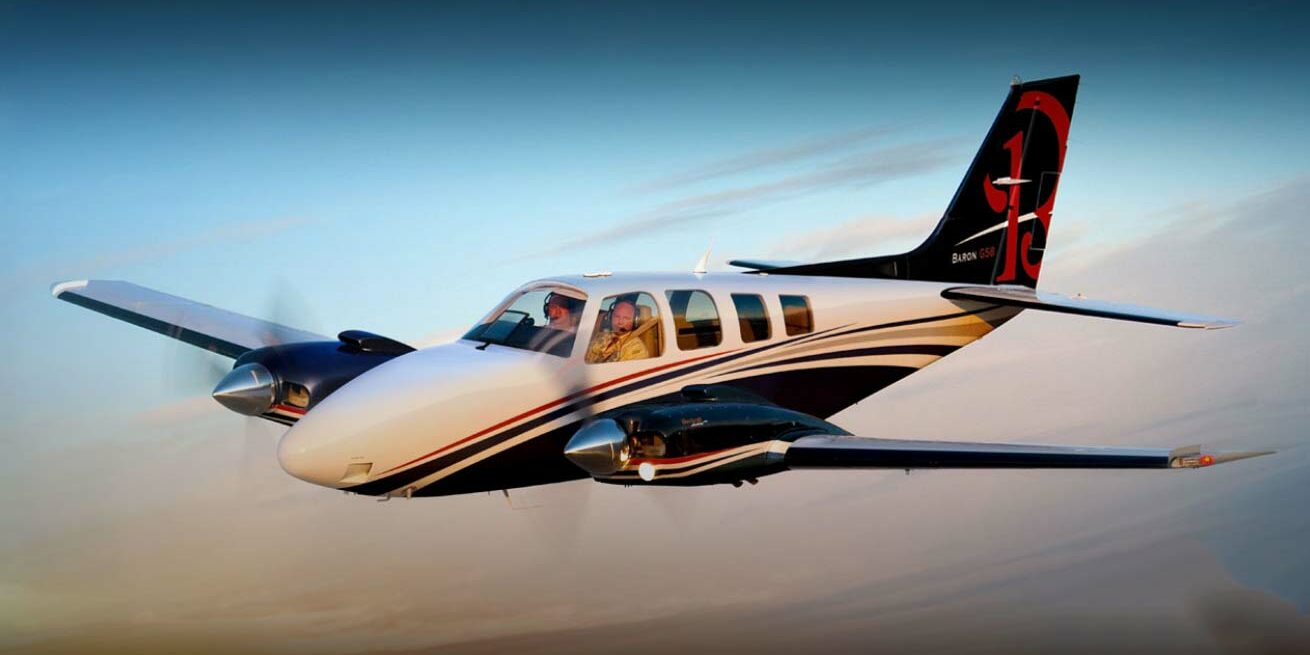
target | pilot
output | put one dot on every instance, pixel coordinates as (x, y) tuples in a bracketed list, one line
[(617, 344), (561, 312)]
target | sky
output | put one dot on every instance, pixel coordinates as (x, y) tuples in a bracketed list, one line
[(399, 167)]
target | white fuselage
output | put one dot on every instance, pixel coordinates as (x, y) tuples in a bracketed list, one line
[(466, 416)]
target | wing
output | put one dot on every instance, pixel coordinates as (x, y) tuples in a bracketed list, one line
[(217, 330), (1054, 302), (830, 451)]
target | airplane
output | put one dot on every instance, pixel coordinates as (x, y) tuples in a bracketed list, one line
[(679, 379)]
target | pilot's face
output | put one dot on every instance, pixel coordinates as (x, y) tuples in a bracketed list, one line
[(621, 317), (558, 311)]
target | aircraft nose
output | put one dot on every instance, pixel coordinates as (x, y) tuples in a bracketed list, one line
[(298, 457), (379, 421), (311, 457)]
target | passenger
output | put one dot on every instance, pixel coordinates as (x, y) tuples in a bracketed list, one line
[(617, 344), (562, 312)]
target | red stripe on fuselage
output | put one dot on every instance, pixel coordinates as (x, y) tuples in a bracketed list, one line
[(549, 405)]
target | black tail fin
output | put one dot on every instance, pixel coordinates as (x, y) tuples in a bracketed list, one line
[(994, 231)]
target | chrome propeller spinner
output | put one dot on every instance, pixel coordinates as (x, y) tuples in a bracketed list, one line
[(598, 447), (248, 389)]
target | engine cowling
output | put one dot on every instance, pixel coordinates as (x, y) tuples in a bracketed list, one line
[(703, 435), (281, 383)]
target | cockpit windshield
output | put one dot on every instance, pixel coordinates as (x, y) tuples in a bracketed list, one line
[(542, 320)]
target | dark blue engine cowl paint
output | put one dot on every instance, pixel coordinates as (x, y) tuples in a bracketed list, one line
[(699, 420), (322, 367), (704, 417)]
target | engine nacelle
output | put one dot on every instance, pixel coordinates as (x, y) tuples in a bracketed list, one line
[(281, 383), (706, 434)]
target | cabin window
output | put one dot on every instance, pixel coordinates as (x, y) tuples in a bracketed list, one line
[(544, 320), (796, 315), (751, 316), (695, 319), (627, 328)]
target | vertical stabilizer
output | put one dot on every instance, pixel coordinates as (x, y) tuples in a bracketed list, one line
[(994, 231)]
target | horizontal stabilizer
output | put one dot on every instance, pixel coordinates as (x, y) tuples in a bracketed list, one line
[(1053, 302), (827, 451), (764, 264), (217, 330)]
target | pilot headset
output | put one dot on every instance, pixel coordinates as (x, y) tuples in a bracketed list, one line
[(545, 304)]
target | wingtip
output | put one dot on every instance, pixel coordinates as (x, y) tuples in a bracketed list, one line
[(60, 287), (1192, 457), (1232, 457), (1211, 324)]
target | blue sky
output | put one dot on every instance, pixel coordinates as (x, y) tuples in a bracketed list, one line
[(398, 167), (431, 158)]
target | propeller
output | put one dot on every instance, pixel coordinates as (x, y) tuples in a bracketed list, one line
[(195, 371), (559, 510), (286, 306), (597, 442)]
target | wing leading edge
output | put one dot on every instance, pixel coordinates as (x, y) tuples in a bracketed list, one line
[(829, 451), (217, 330)]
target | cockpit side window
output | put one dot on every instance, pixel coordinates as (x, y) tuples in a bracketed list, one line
[(541, 320), (627, 328), (695, 319)]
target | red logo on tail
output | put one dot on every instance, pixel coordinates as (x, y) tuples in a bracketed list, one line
[(1000, 201)]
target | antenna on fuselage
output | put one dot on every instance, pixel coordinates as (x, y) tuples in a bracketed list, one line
[(510, 502), (703, 266)]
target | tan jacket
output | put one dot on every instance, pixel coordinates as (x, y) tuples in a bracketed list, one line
[(610, 347)]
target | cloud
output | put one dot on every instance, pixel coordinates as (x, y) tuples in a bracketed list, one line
[(768, 158), (1245, 620), (187, 409), (1066, 603), (863, 169), (178, 542), (241, 232), (439, 337), (864, 236), (854, 171), (637, 227)]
